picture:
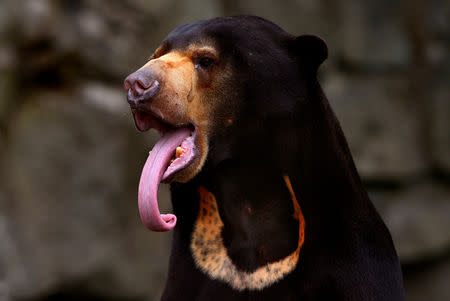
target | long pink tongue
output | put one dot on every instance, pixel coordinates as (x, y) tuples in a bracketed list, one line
[(153, 170)]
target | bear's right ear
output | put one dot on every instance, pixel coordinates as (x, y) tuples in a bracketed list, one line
[(311, 50)]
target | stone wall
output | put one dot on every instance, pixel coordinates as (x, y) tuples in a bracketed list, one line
[(71, 158)]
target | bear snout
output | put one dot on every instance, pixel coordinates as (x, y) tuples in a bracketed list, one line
[(141, 86)]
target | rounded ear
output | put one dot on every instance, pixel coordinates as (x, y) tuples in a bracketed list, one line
[(311, 50)]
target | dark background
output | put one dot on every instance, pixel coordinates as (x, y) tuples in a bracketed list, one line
[(71, 158)]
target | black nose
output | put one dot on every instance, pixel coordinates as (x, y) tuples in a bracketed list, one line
[(141, 86)]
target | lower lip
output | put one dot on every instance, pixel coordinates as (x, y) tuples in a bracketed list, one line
[(185, 160)]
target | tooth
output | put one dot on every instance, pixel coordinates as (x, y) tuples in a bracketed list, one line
[(178, 152)]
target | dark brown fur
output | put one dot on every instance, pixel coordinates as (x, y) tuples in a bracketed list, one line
[(261, 115)]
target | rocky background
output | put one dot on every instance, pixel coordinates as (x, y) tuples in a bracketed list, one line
[(70, 156)]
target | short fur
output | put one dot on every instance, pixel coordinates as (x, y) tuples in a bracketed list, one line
[(268, 117)]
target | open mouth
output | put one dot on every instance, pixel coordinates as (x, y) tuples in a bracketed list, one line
[(174, 152)]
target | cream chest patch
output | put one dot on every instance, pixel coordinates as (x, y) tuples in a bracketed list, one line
[(211, 257)]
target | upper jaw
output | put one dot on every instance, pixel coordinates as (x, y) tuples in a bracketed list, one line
[(146, 119)]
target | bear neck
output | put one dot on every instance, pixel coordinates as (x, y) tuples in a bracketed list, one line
[(253, 202)]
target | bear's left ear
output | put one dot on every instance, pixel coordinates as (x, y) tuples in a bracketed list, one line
[(311, 50)]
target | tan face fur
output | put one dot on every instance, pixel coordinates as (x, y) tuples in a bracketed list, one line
[(183, 98)]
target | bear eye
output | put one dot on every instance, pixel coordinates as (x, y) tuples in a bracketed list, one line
[(204, 62)]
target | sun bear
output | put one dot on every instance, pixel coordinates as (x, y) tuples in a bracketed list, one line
[(267, 202)]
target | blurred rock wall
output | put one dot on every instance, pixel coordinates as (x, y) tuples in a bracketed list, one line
[(71, 158)]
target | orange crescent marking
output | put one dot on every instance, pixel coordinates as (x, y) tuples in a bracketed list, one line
[(298, 215)]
